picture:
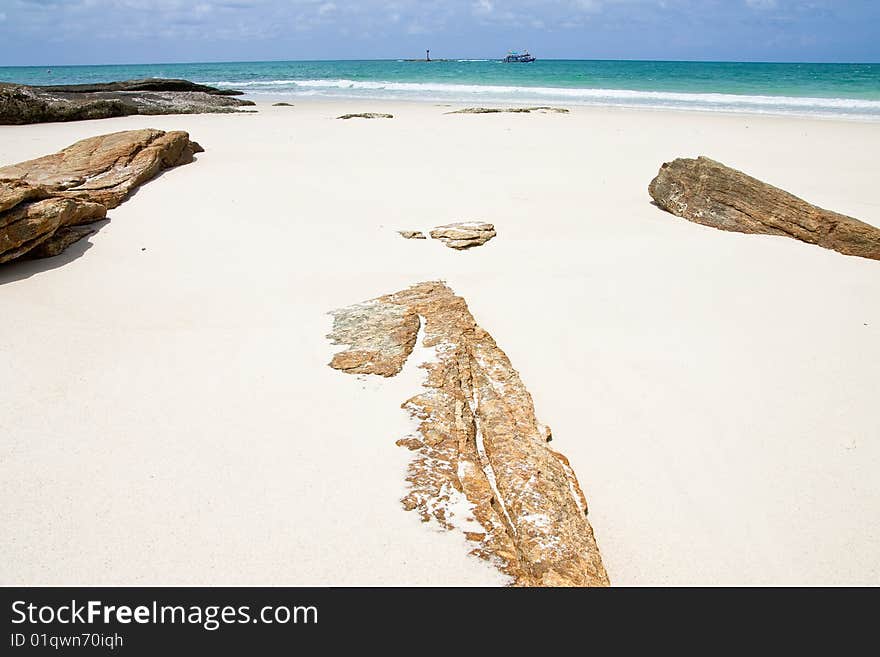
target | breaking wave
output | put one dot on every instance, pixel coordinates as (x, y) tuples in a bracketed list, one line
[(719, 102)]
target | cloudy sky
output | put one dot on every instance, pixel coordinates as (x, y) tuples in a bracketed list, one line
[(43, 32)]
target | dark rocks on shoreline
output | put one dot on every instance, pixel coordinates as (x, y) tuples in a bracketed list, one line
[(511, 110), (46, 204), (146, 84), (22, 104), (366, 115), (707, 192)]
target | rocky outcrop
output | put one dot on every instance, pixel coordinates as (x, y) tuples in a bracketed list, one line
[(45, 202), (145, 84), (412, 234), (464, 234), (20, 104), (481, 460), (510, 110), (366, 115), (707, 192)]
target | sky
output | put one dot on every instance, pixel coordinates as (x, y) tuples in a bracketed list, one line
[(58, 32)]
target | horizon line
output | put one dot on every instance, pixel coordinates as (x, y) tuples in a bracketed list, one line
[(451, 59)]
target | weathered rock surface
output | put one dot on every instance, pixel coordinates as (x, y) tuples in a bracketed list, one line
[(707, 192), (145, 84), (44, 202), (481, 461), (380, 337), (412, 234), (510, 110), (366, 115), (464, 234), (28, 225), (60, 240), (20, 104)]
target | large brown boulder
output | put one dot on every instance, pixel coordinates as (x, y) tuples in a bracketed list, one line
[(707, 192), (43, 200)]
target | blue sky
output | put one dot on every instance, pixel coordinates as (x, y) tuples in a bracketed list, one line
[(44, 32)]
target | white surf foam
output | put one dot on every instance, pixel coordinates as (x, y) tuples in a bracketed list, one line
[(852, 107)]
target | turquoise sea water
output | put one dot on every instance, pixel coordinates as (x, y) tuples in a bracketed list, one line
[(847, 90)]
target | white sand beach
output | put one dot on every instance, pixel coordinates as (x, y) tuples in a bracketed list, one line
[(167, 414)]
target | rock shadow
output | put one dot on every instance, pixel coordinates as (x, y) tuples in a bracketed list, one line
[(22, 268)]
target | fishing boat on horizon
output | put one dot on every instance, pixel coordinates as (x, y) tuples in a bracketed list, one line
[(514, 56)]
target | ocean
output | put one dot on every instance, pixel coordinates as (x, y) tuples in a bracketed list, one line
[(824, 90)]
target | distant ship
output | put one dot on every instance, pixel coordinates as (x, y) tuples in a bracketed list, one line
[(518, 57)]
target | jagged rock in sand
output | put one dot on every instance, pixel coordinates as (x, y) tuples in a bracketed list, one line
[(22, 104), (464, 234), (707, 192), (366, 115), (481, 461), (511, 110), (380, 336), (44, 202), (412, 234)]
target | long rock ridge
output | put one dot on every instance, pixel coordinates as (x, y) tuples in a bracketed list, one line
[(707, 192), (479, 445)]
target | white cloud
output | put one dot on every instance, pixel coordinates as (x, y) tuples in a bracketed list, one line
[(483, 7), (485, 24)]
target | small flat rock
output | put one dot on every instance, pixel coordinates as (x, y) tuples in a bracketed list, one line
[(282, 105), (366, 115), (412, 234), (464, 234)]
